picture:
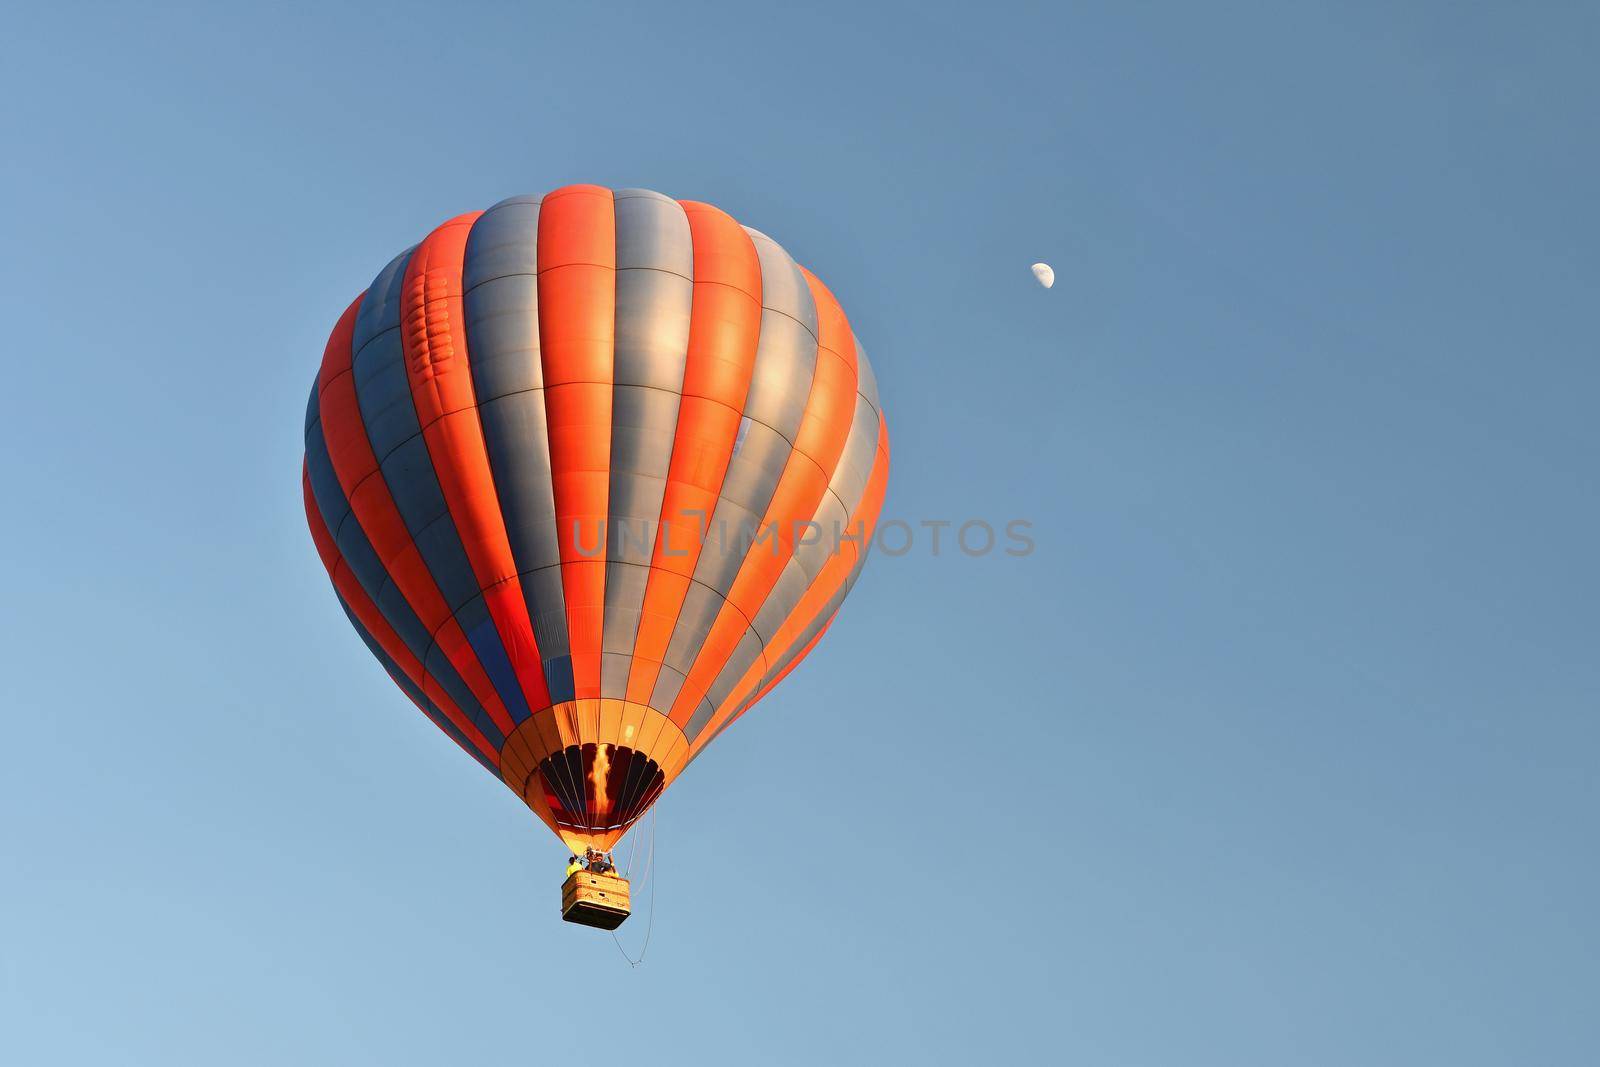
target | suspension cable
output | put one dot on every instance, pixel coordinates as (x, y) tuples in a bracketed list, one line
[(649, 876)]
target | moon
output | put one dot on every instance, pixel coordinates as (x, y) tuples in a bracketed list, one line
[(1046, 276)]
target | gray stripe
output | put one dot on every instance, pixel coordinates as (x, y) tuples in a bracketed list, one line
[(503, 242), (783, 287), (866, 380), (655, 293), (501, 306), (519, 455), (699, 611), (792, 585), (849, 479), (748, 650), (816, 624), (628, 580), (652, 233), (697, 721), (780, 386), (811, 630), (780, 383), (787, 356), (501, 303), (845, 491), (730, 537), (642, 423), (786, 360), (502, 317), (668, 682), (544, 586), (614, 669), (821, 617)]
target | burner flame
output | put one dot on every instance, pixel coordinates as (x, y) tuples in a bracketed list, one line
[(599, 775)]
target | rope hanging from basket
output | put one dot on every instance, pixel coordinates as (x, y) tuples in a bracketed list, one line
[(649, 878)]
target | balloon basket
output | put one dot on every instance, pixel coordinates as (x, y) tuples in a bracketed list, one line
[(593, 899)]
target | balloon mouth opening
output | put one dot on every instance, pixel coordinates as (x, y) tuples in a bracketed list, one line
[(595, 788)]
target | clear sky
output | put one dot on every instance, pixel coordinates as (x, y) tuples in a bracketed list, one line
[(1279, 749)]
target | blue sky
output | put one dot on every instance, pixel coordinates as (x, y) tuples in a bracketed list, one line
[(1279, 749)]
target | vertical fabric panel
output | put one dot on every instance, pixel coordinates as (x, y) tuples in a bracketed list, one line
[(501, 304), (781, 381), (830, 523), (655, 292), (819, 441), (818, 605), (724, 327), (577, 251)]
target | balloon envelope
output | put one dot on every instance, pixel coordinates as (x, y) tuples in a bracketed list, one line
[(1046, 276), (591, 473)]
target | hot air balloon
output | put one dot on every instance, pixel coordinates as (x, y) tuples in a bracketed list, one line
[(591, 473)]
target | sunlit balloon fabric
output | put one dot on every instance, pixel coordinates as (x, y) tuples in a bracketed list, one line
[(591, 472)]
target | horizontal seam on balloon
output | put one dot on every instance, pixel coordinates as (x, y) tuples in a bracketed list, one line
[(798, 322), (802, 287), (535, 273), (482, 403), (575, 263), (370, 341), (754, 299), (795, 555)]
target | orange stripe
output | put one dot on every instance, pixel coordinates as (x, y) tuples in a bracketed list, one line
[(432, 322), (828, 582), (829, 411), (356, 467), (361, 605), (724, 327), (810, 646), (577, 326)]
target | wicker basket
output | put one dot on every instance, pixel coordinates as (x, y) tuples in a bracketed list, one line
[(599, 900)]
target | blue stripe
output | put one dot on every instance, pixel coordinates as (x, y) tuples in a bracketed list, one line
[(369, 571), (389, 415), (410, 689)]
